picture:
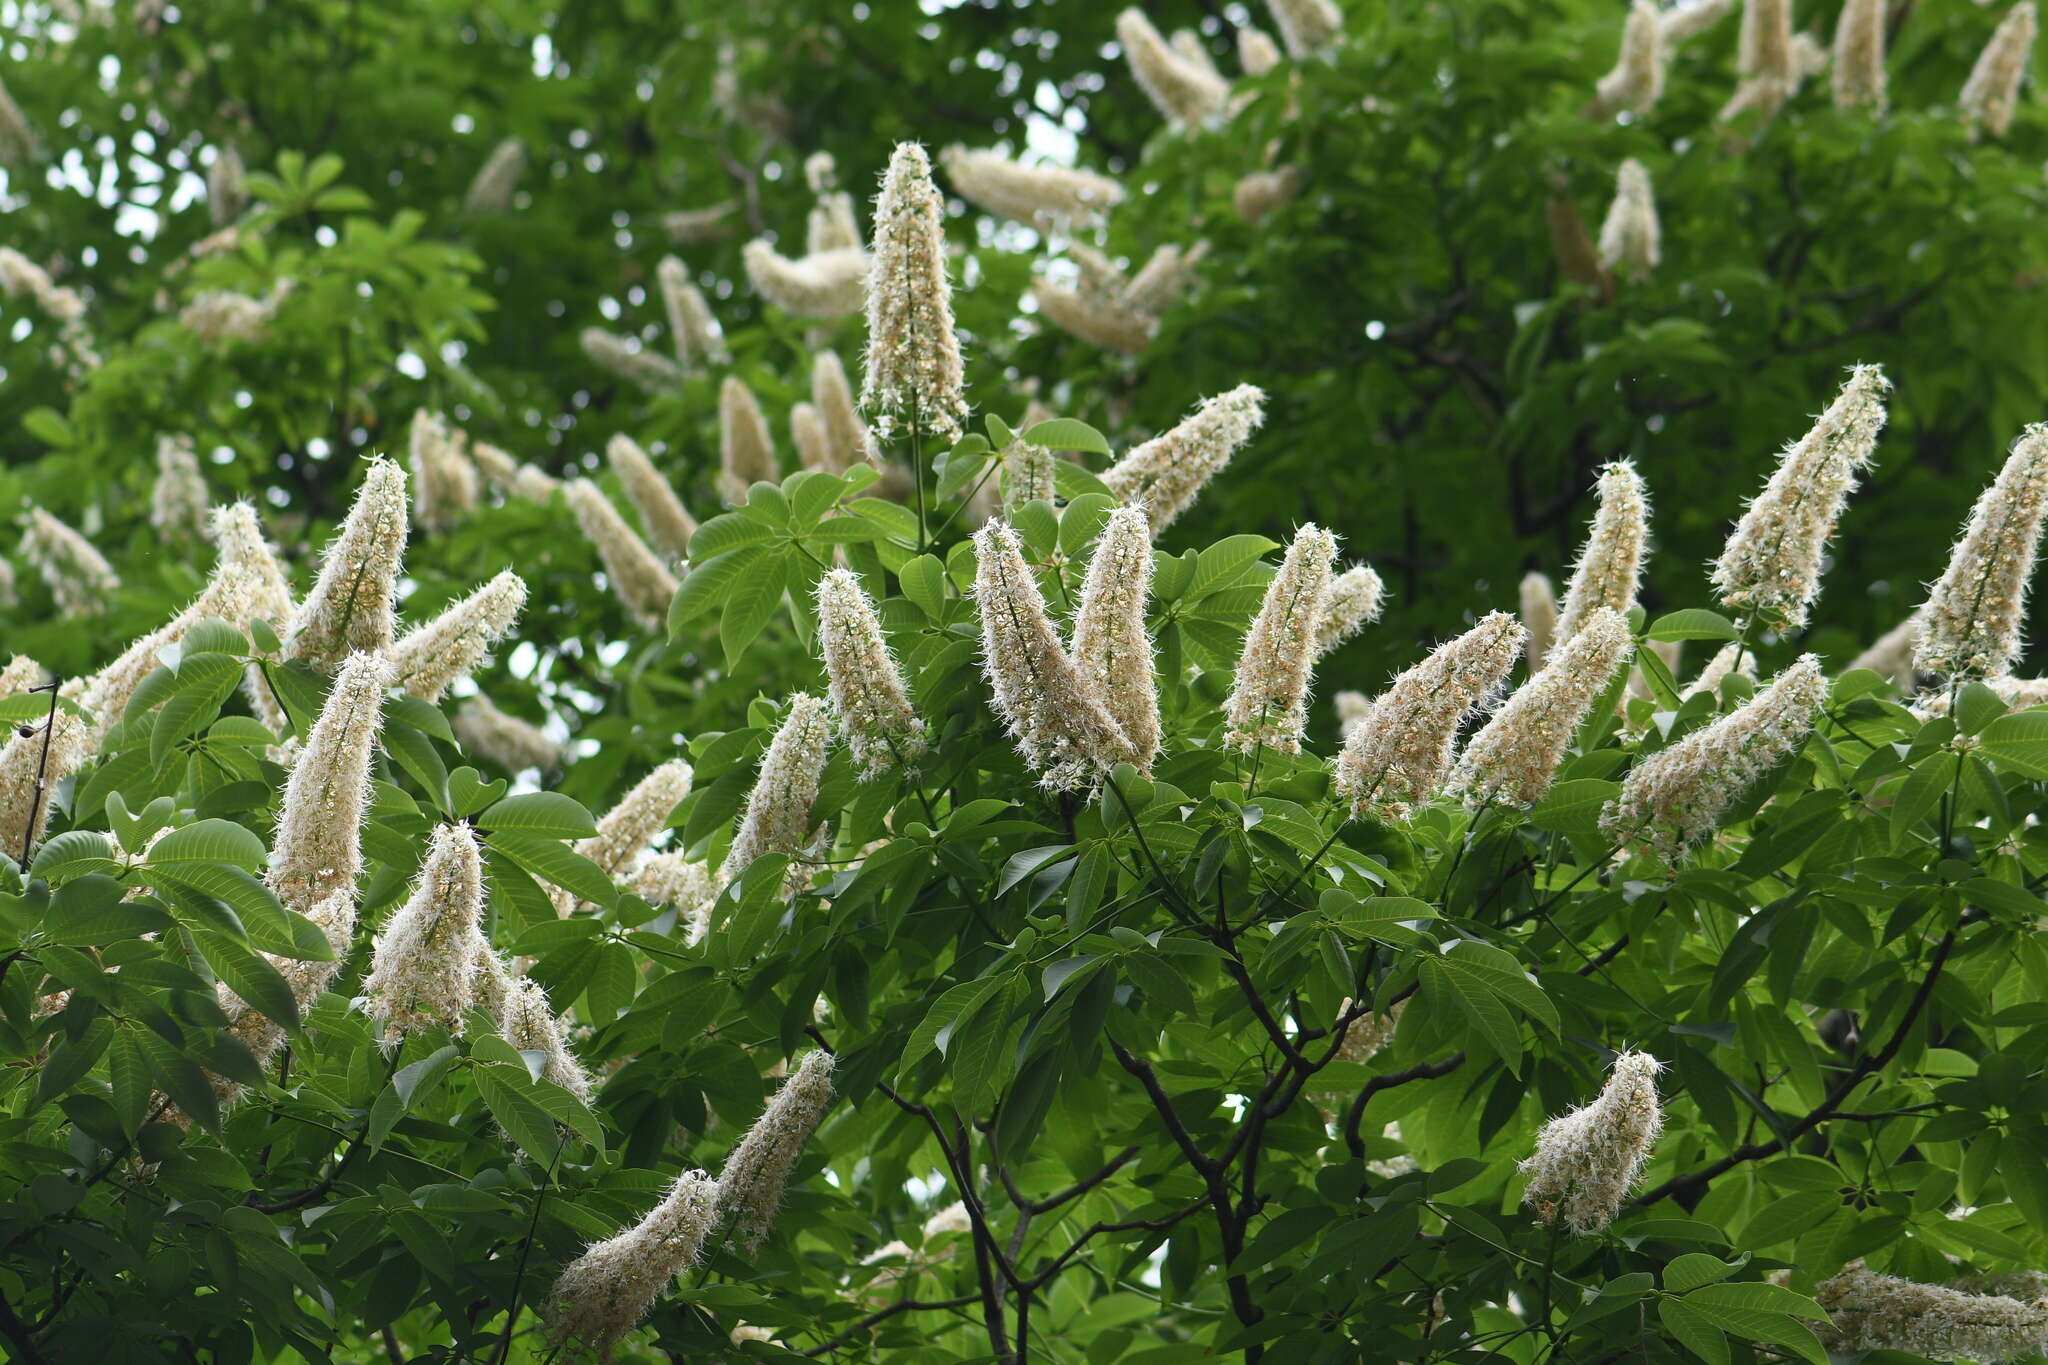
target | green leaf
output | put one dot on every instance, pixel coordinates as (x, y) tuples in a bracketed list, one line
[(752, 603), (1786, 1217), (923, 580), (74, 853), (1573, 807), (708, 583), (509, 1094), (1916, 797), (1693, 1331), (1480, 1007), (553, 861), (250, 976), (723, 534), (1692, 623), (132, 1076), (1064, 433), (209, 841), (548, 813), (1223, 563), (2018, 743), (1976, 707), (1694, 1269)]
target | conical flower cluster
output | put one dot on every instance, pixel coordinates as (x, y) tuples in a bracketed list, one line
[(1010, 189), (177, 500), (445, 484), (913, 378), (1674, 798), (1612, 559), (490, 193), (823, 284), (20, 674), (1892, 652), (1268, 705), (1256, 52), (746, 450), (516, 745), (1872, 1312), (1063, 732), (1587, 1161), (693, 331), (1859, 55), (751, 1183), (1772, 564), (629, 359), (807, 433), (1183, 91), (1259, 193), (639, 578), (833, 397), (1970, 625), (1991, 95), (1637, 80), (424, 966), (36, 757), (626, 830), (1539, 616), (1356, 596), (350, 606), (1515, 756), (430, 659), (1630, 239), (318, 851), (1399, 753), (1112, 649), (1731, 660), (668, 523), (1306, 26), (80, 579), (604, 1293), (529, 1023), (512, 478), (678, 880), (1028, 474), (881, 728), (1167, 472), (778, 815)]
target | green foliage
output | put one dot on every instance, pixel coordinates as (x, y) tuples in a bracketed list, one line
[(1106, 1022)]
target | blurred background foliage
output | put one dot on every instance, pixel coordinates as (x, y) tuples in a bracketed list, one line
[(1439, 394)]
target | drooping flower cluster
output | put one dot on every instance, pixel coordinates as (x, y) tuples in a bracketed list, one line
[(514, 744), (629, 359), (693, 331), (1114, 310), (430, 658), (1674, 798), (350, 606), (1970, 624), (1259, 193), (626, 830), (1399, 751), (1859, 55), (667, 522), (1630, 239), (639, 578), (528, 1021), (1062, 729), (1010, 189), (1637, 79), (426, 959), (1268, 705), (1587, 1161), (1991, 95), (1872, 1312), (79, 577), (177, 500), (604, 1293), (1515, 756), (746, 450), (221, 315), (751, 1182), (1112, 649), (1306, 26), (1356, 597), (1184, 91), (845, 434), (511, 477), (822, 284), (866, 688), (1539, 616), (35, 759), (913, 377), (1772, 564), (777, 821), (1168, 472), (678, 880), (1611, 560), (445, 483)]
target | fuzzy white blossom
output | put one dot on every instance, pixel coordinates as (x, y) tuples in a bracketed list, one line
[(1630, 239), (1729, 661), (36, 757), (807, 433), (1859, 55), (1356, 598), (1872, 1312), (626, 830), (20, 674), (693, 330), (777, 821), (1257, 53), (1112, 649), (1099, 320), (222, 315), (1268, 704), (529, 1023), (881, 728), (831, 225), (638, 577), (1364, 1037), (1970, 624), (1010, 189), (629, 358), (424, 964), (177, 500), (1539, 616), (751, 1183), (1259, 193), (1398, 753), (350, 606), (604, 1293), (427, 660), (490, 193), (1637, 79), (1515, 756), (1164, 278), (1587, 1161), (318, 850), (511, 477), (746, 450), (678, 880), (445, 484), (79, 577), (1991, 95), (707, 224), (667, 522), (1181, 90), (1611, 561), (1167, 472), (833, 397), (1892, 652), (1690, 18), (481, 728), (1306, 26), (1062, 731), (1673, 799), (1028, 474), (913, 374), (828, 284)]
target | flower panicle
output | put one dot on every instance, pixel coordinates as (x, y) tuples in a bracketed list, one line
[(80, 579), (445, 484), (506, 740), (777, 820), (913, 373), (629, 359), (833, 395), (1307, 27), (1990, 96), (865, 685), (1859, 77), (751, 1183), (177, 499), (1970, 624), (424, 964), (1010, 189), (606, 1292), (1112, 649), (667, 522), (1587, 1161), (1357, 596), (638, 577), (1268, 704), (349, 609), (430, 659), (1611, 561), (490, 193), (746, 449), (1631, 242), (693, 330), (2005, 1319), (1637, 80), (824, 284), (1182, 91), (1515, 756), (1169, 471)]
